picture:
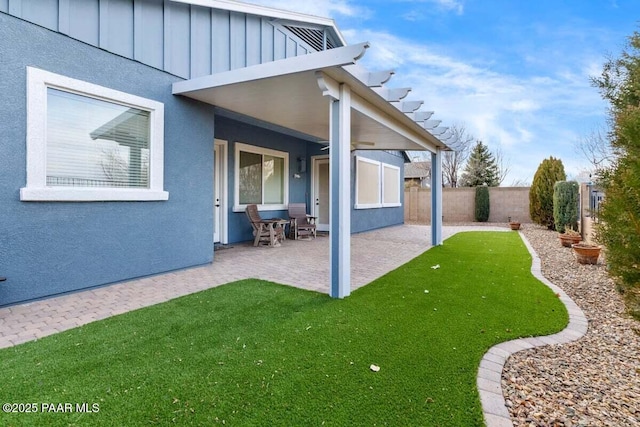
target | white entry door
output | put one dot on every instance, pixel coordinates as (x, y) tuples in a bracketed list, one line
[(320, 200), (219, 191)]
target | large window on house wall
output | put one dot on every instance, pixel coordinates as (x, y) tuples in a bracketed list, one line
[(261, 178), (377, 184), (89, 143), (390, 185)]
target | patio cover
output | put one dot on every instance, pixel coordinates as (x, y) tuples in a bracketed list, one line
[(327, 97)]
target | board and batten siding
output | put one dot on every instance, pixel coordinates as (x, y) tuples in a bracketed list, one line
[(185, 40)]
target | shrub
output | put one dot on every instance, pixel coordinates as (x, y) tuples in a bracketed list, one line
[(565, 205), (619, 228), (482, 204), (549, 172)]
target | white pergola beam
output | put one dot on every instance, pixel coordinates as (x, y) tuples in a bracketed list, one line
[(393, 94), (445, 136), (431, 124), (410, 106), (373, 79), (438, 131), (378, 78), (422, 116)]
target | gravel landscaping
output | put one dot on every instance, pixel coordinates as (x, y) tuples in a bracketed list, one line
[(594, 381)]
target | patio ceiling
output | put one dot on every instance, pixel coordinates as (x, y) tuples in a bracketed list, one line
[(289, 93)]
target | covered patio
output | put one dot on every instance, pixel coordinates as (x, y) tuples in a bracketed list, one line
[(327, 98)]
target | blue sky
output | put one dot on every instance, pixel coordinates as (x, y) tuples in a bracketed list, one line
[(515, 73)]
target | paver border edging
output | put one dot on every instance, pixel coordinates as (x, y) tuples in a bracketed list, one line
[(491, 366)]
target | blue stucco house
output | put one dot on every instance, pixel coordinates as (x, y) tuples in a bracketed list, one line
[(135, 132)]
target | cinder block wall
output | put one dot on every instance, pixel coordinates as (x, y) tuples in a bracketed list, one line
[(509, 202), (458, 204)]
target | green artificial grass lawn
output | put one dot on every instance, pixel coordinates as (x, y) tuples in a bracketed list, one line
[(254, 353)]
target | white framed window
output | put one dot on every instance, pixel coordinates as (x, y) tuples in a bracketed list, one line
[(86, 142), (261, 178), (390, 186), (367, 183), (377, 184)]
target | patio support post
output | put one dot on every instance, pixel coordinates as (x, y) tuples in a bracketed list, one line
[(340, 193), (436, 197)]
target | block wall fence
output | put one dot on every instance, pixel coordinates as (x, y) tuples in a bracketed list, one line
[(458, 204)]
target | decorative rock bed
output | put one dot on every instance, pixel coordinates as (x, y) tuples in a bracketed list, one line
[(594, 381)]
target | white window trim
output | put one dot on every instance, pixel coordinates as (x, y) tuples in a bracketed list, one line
[(237, 207), (36, 189), (381, 203), (392, 204), (368, 205)]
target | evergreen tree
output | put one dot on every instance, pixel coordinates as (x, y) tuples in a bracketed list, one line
[(549, 172), (481, 168), (619, 228), (483, 206), (566, 201)]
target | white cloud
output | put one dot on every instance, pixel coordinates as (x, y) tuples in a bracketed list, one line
[(452, 5), (526, 116), (323, 8), (524, 105), (531, 112), (456, 6)]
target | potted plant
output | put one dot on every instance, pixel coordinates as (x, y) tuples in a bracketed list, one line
[(586, 253), (569, 237), (515, 225)]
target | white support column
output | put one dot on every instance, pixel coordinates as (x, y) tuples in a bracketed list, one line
[(436, 198), (340, 193)]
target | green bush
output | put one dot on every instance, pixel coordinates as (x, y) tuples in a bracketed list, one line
[(565, 205), (482, 204), (619, 225), (549, 172)]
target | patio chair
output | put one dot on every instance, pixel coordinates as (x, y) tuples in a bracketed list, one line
[(301, 224), (267, 231)]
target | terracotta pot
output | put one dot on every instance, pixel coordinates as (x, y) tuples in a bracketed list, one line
[(586, 254), (567, 240), (514, 225)]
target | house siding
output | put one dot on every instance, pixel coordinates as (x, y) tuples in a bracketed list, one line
[(48, 248), (185, 40)]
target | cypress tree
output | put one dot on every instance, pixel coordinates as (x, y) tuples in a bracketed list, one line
[(549, 172), (482, 204), (565, 205)]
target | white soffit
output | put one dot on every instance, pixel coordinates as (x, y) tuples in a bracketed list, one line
[(286, 93)]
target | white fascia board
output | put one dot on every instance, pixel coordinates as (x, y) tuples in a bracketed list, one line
[(298, 64), (269, 12)]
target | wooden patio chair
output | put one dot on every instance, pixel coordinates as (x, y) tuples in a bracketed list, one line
[(267, 231), (301, 224)]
